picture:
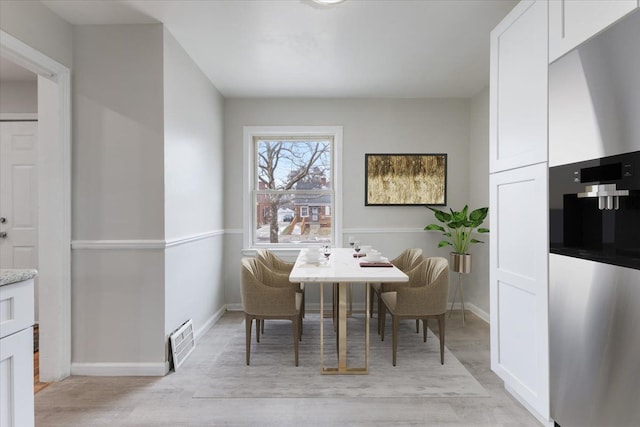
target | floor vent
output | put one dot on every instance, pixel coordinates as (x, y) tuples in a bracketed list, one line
[(182, 343)]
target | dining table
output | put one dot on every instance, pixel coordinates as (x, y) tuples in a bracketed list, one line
[(342, 268)]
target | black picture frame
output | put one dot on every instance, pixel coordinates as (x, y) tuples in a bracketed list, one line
[(405, 179)]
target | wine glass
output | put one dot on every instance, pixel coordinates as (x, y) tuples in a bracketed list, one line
[(352, 241), (356, 246), (327, 252)]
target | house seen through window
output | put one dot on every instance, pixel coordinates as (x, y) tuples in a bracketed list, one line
[(293, 190)]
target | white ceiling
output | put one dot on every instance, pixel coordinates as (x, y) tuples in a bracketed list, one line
[(297, 48)]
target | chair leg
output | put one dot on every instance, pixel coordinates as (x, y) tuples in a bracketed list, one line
[(335, 307), (296, 336), (381, 312), (417, 326), (300, 321), (259, 325), (441, 320), (262, 326), (382, 317), (247, 321), (371, 295), (396, 327), (425, 323), (336, 327)]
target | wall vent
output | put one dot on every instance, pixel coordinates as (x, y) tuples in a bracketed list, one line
[(182, 343)]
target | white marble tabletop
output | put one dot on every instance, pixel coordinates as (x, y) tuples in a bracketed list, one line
[(342, 267), (13, 275)]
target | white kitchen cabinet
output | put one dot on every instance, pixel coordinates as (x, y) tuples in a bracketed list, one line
[(572, 22), (519, 284), (16, 379), (518, 204), (16, 354), (518, 90)]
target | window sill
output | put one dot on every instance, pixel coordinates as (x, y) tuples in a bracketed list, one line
[(289, 254)]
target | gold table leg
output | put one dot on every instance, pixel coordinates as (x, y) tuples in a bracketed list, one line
[(342, 367)]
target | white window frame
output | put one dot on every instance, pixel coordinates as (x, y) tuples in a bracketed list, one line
[(304, 209), (249, 132)]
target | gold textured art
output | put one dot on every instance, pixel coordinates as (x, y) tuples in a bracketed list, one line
[(405, 179)]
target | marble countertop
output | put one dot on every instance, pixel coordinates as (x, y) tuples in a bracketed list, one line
[(342, 267), (12, 275)]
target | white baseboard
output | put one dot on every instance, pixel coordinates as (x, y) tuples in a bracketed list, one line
[(209, 323), (18, 117), (234, 307), (359, 308), (120, 369), (138, 369), (483, 315)]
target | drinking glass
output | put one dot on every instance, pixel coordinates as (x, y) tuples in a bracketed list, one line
[(352, 241), (327, 252), (356, 246)]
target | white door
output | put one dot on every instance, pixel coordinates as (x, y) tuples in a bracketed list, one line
[(18, 195)]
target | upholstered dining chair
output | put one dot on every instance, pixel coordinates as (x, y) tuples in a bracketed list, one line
[(424, 298), (266, 296), (406, 261), (279, 265)]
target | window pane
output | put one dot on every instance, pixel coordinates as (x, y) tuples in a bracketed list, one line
[(293, 218), (284, 168), (288, 165)]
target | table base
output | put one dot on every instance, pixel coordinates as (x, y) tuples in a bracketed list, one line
[(341, 330)]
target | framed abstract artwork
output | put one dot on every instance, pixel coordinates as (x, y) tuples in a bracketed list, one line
[(405, 180)]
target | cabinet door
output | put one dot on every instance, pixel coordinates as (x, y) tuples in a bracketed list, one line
[(572, 22), (16, 380), (519, 284), (518, 101)]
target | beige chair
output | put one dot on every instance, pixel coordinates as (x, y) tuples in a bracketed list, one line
[(405, 262), (279, 265), (266, 296), (425, 297)]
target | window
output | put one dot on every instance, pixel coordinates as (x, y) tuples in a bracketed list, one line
[(292, 180)]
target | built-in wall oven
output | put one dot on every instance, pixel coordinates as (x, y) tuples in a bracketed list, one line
[(594, 295)]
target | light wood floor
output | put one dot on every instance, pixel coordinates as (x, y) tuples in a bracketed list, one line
[(37, 385), (169, 401)]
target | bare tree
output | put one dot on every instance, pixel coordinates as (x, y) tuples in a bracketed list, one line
[(282, 165)]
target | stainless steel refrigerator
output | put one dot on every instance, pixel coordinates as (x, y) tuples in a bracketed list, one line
[(594, 231)]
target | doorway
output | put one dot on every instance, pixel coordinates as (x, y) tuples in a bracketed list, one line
[(54, 201)]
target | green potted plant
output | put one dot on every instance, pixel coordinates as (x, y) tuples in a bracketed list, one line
[(458, 228)]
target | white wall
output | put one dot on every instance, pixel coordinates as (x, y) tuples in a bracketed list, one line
[(370, 126), (118, 199), (193, 188), (118, 162), (148, 196), (476, 285), (117, 311), (19, 97), (36, 25), (52, 313)]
